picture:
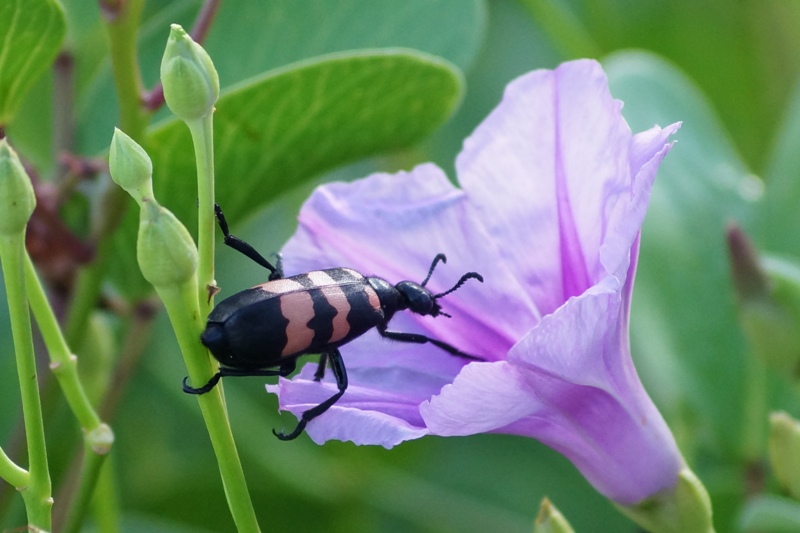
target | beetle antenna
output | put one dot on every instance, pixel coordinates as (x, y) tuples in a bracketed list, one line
[(464, 278), (439, 257)]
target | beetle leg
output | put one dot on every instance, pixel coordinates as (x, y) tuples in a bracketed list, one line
[(225, 371), (244, 248), (205, 388), (339, 371), (422, 339), (320, 373)]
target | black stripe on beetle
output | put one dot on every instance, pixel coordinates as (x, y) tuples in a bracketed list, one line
[(262, 331)]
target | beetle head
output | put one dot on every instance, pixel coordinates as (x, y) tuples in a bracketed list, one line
[(420, 300)]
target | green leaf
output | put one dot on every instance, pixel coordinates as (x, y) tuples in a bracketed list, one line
[(779, 224), (285, 31), (272, 133), (770, 513), (251, 37), (686, 341), (32, 33), (275, 132)]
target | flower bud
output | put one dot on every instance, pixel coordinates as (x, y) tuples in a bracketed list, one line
[(550, 520), (191, 83), (165, 250), (685, 507), (768, 291), (17, 199), (784, 451), (130, 166)]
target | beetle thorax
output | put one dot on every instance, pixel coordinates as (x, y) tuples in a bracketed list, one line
[(405, 295)]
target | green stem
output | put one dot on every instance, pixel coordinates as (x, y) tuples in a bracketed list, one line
[(15, 475), (184, 314), (97, 435), (87, 293), (202, 131), (63, 363), (755, 411), (122, 29), (135, 339), (90, 473), (105, 506), (38, 493)]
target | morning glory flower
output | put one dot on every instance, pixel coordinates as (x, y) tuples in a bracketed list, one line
[(553, 192)]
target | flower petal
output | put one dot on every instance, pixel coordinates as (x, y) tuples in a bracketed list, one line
[(544, 170), (555, 192), (484, 397), (392, 226), (570, 384), (627, 211), (354, 424), (386, 412)]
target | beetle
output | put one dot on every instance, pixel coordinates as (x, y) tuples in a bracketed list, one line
[(272, 324)]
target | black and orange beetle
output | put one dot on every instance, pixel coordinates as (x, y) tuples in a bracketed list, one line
[(272, 324)]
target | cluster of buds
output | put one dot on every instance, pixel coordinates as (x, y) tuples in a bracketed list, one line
[(165, 250)]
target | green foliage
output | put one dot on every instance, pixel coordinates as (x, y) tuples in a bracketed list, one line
[(276, 132), (310, 86), (770, 513), (312, 117), (32, 32), (683, 268)]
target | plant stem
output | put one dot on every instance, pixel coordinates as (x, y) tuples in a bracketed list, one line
[(38, 493), (122, 26), (63, 363), (105, 506), (15, 475), (134, 342), (97, 436), (90, 473), (755, 413), (203, 138), (184, 314)]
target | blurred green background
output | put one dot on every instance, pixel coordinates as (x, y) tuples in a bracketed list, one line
[(727, 69)]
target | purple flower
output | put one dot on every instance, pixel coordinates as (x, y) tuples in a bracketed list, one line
[(554, 191)]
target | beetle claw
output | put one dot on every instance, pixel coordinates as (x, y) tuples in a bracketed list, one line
[(294, 434), (205, 388)]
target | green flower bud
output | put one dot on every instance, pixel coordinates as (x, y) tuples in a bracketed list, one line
[(165, 250), (17, 199), (784, 451), (191, 83), (130, 166), (768, 291), (550, 520), (684, 507)]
